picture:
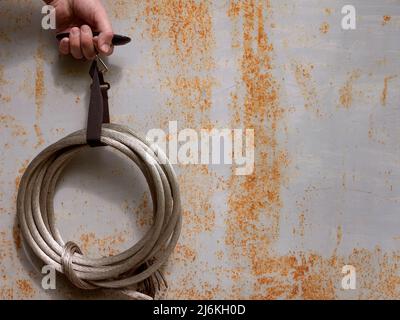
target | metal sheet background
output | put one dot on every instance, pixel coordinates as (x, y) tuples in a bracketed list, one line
[(324, 104)]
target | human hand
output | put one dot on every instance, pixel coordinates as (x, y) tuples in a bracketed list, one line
[(80, 18)]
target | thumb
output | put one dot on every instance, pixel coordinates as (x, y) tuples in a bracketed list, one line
[(104, 41)]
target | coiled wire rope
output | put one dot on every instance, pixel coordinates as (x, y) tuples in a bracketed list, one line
[(139, 265)]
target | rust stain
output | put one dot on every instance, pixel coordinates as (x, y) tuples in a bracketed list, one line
[(303, 76), (10, 123), (182, 39), (187, 26), (4, 98), (122, 9), (375, 133), (302, 224), (255, 200), (143, 212), (385, 89), (6, 293), (194, 92), (184, 253), (324, 28), (21, 171), (386, 19), (25, 289), (40, 89), (27, 85), (105, 246), (346, 92), (39, 135), (6, 265), (339, 236)]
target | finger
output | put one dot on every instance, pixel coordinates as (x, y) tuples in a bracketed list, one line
[(87, 42), (96, 45), (106, 32), (111, 50), (64, 46), (75, 43)]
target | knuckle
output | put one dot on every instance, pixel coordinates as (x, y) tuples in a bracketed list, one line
[(108, 34)]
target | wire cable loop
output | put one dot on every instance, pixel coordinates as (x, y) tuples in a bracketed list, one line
[(137, 265)]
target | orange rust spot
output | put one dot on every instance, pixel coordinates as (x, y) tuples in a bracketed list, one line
[(194, 92), (255, 200), (21, 170), (182, 37), (234, 8), (324, 28), (144, 216), (6, 293), (8, 122), (39, 135), (185, 253), (122, 9), (302, 224), (339, 236), (106, 246), (187, 24), (25, 288), (187, 28), (385, 89), (386, 19), (40, 89), (346, 92), (306, 84), (328, 11), (5, 99)]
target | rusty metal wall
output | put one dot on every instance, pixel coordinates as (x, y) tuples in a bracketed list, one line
[(324, 104)]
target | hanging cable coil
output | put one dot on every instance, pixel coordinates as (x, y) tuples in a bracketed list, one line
[(132, 267)]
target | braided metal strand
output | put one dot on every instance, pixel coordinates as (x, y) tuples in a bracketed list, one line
[(140, 262)]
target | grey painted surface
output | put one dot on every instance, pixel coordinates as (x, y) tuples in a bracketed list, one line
[(339, 191)]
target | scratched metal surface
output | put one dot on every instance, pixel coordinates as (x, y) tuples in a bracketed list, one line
[(324, 104)]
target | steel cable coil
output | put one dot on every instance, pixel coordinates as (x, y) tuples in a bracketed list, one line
[(37, 220)]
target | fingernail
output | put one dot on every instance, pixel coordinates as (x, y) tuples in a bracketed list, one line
[(74, 31), (105, 47), (85, 29)]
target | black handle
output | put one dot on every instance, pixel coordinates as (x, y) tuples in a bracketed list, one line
[(118, 40)]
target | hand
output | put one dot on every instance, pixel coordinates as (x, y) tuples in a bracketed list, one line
[(80, 18)]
